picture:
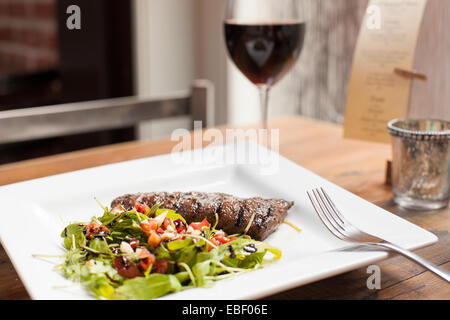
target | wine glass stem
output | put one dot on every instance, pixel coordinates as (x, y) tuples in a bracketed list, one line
[(264, 101)]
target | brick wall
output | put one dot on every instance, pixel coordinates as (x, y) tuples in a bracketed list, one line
[(28, 35)]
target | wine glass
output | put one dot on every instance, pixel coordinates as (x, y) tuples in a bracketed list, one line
[(264, 39)]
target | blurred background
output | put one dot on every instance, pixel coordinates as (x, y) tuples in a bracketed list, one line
[(153, 48)]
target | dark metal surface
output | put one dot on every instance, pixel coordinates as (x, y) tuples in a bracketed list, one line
[(73, 118)]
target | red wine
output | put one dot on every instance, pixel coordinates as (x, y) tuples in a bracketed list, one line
[(264, 52)]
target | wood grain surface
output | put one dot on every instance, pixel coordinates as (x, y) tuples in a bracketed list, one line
[(354, 165)]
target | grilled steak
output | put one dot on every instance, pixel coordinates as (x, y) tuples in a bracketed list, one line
[(234, 213)]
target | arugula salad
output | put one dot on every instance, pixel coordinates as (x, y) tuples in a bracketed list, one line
[(147, 253)]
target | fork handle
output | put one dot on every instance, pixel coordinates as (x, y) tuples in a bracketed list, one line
[(414, 257)]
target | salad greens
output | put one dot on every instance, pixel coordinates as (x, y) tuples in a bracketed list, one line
[(147, 253)]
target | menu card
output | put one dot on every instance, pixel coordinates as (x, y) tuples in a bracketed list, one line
[(387, 41)]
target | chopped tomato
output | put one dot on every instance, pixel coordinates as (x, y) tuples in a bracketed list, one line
[(134, 243), (146, 263), (148, 226), (95, 228), (209, 246), (92, 227), (143, 253), (180, 225), (146, 259), (142, 207), (199, 226), (160, 266), (232, 238), (221, 238), (205, 223), (166, 223), (160, 230), (153, 239), (126, 268)]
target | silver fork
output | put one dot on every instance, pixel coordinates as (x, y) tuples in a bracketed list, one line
[(341, 228)]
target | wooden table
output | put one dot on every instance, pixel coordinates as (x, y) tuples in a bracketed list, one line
[(356, 166)]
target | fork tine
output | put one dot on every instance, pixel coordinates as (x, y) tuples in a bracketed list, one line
[(330, 212), (339, 215), (319, 211), (349, 230)]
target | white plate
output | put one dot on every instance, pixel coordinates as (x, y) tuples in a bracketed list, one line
[(34, 213)]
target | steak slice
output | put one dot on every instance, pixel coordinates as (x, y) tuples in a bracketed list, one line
[(234, 213)]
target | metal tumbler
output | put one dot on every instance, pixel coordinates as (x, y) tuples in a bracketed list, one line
[(420, 163)]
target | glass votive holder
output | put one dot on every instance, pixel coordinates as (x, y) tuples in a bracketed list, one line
[(420, 163)]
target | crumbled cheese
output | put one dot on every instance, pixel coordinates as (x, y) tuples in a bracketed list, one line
[(168, 235), (126, 248), (139, 251), (193, 231)]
